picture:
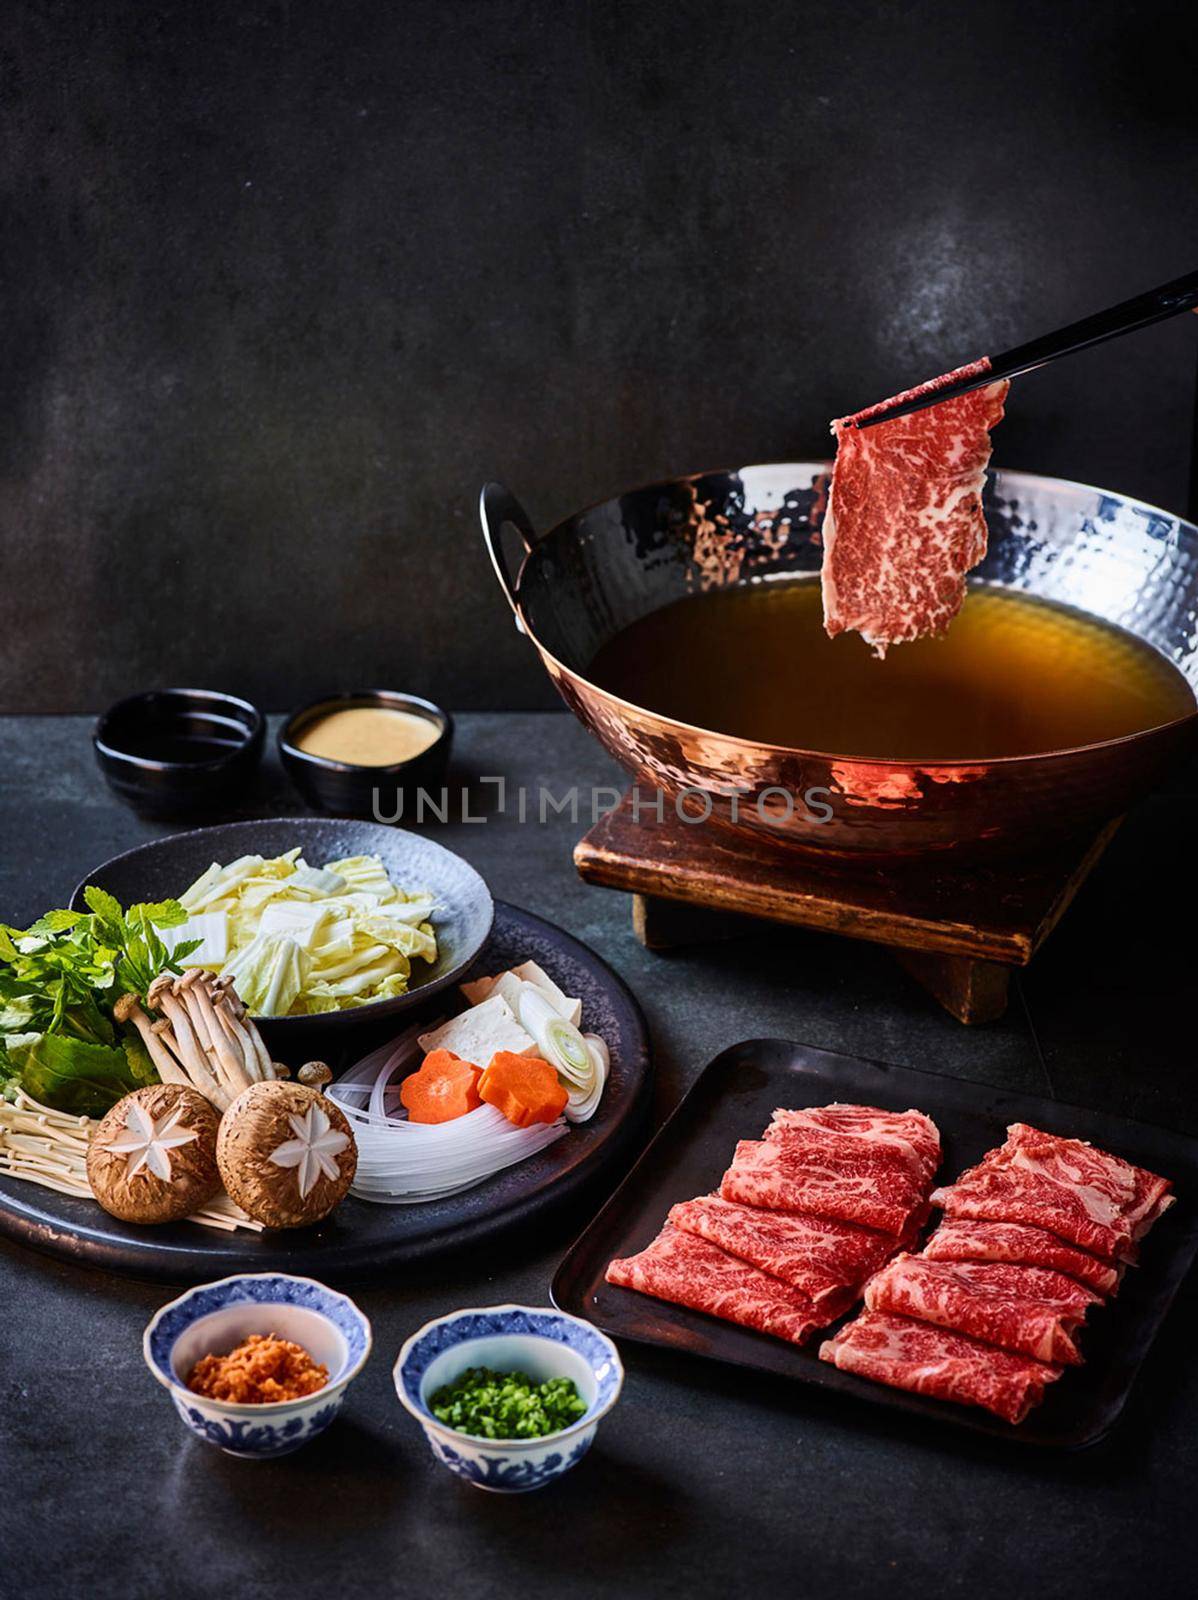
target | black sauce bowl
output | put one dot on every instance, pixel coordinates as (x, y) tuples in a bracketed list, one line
[(179, 752), (386, 794)]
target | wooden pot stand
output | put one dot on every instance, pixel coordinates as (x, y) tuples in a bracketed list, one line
[(958, 928)]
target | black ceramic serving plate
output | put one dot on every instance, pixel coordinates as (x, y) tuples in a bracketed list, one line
[(734, 1098), (361, 1239), (166, 867)]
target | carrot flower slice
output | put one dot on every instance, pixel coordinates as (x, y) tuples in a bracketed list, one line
[(524, 1088), (445, 1087)]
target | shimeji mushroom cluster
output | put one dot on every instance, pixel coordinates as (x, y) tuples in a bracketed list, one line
[(204, 1038)]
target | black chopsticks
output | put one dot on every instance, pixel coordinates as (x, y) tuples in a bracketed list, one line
[(1139, 312)]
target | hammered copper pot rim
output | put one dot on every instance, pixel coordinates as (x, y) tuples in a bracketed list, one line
[(824, 464), (905, 763)]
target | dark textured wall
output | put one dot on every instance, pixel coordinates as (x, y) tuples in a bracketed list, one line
[(282, 283)]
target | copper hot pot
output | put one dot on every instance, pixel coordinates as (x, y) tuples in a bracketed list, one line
[(601, 569)]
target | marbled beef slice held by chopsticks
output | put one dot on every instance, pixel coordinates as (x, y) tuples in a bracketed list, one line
[(904, 522)]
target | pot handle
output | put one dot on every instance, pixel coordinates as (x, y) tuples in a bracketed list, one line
[(496, 508)]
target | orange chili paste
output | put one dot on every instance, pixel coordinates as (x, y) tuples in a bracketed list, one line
[(262, 1368)]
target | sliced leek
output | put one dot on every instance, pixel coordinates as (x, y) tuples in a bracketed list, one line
[(558, 1041)]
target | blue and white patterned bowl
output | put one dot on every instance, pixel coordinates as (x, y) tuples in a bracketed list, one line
[(215, 1317), (545, 1344)]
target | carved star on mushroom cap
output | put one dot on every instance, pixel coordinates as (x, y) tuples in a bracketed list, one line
[(313, 1150), (148, 1143)]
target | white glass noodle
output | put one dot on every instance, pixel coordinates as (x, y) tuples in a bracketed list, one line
[(404, 1163)]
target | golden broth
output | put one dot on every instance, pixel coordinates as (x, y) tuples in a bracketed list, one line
[(368, 736), (1012, 676)]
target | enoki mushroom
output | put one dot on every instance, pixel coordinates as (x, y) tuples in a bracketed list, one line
[(49, 1148)]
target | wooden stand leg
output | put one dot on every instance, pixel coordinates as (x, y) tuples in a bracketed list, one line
[(969, 989), (666, 924)]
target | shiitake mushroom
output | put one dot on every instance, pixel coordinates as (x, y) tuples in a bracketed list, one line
[(153, 1156), (286, 1154)]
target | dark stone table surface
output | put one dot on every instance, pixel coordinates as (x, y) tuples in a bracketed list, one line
[(704, 1481)]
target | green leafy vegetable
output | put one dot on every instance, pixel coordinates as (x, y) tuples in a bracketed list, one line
[(507, 1405), (59, 979), (72, 1075), (140, 953)]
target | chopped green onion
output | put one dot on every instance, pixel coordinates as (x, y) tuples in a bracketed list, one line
[(507, 1405)]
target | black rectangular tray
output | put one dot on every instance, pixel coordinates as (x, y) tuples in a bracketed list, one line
[(734, 1097)]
